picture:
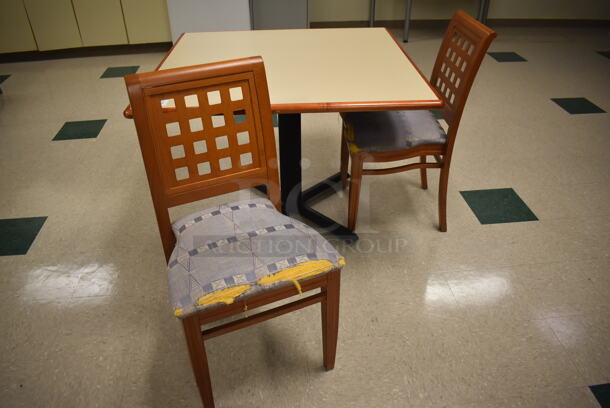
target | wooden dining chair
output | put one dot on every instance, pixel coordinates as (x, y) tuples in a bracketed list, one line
[(204, 131), (398, 135)]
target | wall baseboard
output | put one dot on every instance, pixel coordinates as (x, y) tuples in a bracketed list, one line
[(85, 52), (497, 22), (165, 46)]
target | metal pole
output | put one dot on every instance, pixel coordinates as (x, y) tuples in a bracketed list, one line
[(372, 13), (483, 11), (251, 6), (405, 35)]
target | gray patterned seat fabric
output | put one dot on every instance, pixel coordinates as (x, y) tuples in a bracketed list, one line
[(234, 246), (391, 130)]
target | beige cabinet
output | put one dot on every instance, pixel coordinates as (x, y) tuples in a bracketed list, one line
[(27, 25), (15, 32), (100, 22), (53, 23), (146, 21)]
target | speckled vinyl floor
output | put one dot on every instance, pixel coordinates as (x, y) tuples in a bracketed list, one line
[(514, 313)]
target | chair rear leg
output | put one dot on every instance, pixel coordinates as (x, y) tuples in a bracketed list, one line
[(354, 190), (199, 359), (422, 174), (344, 158), (330, 318), (442, 198)]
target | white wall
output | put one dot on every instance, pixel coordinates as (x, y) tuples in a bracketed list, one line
[(207, 15), (350, 10)]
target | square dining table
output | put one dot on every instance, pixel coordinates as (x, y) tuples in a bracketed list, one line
[(315, 70)]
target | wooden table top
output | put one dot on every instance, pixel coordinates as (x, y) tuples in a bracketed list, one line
[(318, 70)]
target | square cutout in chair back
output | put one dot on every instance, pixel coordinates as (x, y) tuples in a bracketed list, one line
[(200, 131)]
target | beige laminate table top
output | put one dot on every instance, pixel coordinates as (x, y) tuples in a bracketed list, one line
[(317, 70)]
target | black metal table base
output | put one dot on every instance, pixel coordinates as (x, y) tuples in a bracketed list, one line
[(295, 200)]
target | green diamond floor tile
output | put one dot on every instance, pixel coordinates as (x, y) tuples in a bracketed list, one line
[(119, 72), (576, 106), (604, 53), (18, 234), (239, 118), (3, 78), (242, 118), (506, 56), (602, 394), (83, 129), (498, 206)]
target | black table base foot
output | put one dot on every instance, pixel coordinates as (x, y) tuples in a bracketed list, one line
[(328, 224), (327, 186), (262, 189)]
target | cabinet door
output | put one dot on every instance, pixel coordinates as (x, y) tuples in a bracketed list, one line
[(146, 21), (15, 32), (100, 22), (53, 24)]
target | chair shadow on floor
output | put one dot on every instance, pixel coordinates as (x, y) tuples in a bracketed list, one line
[(261, 363), (400, 194)]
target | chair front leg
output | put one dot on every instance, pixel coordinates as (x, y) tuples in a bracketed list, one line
[(344, 158), (354, 190), (330, 318), (199, 359), (442, 197), (422, 174)]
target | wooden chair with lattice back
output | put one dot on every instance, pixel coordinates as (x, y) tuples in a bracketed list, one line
[(399, 135), (207, 130)]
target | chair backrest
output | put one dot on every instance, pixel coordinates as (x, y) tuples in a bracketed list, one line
[(462, 50), (204, 130)]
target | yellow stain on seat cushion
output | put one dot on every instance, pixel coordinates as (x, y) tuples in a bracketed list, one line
[(223, 296), (349, 135), (300, 271)]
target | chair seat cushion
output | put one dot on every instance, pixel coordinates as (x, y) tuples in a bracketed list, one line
[(391, 130), (240, 249)]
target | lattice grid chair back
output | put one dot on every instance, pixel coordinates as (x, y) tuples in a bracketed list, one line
[(457, 64), (204, 130)]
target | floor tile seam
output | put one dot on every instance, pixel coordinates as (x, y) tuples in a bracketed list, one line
[(505, 266), (559, 185), (570, 217), (526, 394), (57, 299), (530, 389), (455, 300), (587, 319), (124, 349), (533, 320), (596, 288), (601, 217), (575, 218), (529, 305), (575, 365), (544, 390), (565, 357), (124, 388), (90, 297), (478, 227)]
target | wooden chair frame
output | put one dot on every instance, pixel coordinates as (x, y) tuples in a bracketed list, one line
[(150, 117), (459, 58)]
